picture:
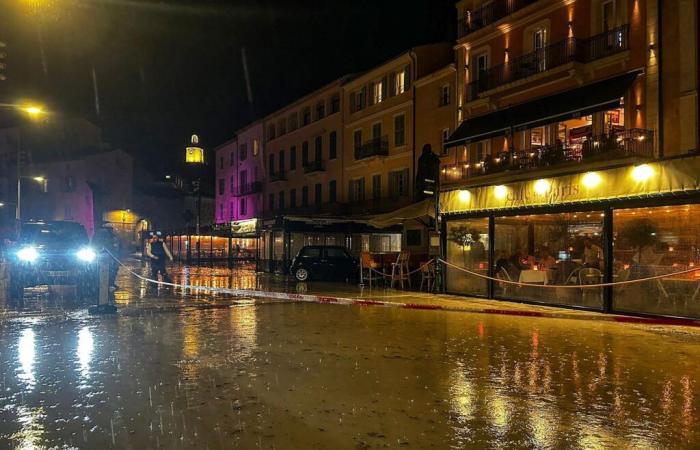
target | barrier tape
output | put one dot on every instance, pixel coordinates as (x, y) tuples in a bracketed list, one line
[(310, 298), (569, 286)]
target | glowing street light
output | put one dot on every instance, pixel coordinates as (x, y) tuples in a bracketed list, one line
[(33, 111)]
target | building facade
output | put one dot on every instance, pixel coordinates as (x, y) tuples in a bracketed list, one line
[(577, 141), (380, 126)]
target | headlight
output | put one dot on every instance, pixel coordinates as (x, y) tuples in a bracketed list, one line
[(28, 254), (86, 254)]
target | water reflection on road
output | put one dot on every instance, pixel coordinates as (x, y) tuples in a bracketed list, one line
[(319, 376)]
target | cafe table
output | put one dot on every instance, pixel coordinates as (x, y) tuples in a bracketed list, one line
[(533, 276)]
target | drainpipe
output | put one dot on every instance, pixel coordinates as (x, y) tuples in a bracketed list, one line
[(413, 86), (658, 47)]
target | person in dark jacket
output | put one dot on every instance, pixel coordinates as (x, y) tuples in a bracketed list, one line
[(157, 251)]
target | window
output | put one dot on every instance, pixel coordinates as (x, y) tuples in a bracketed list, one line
[(305, 196), (221, 211), (357, 190), (357, 139), (232, 185), (293, 198), (293, 157), (243, 152), (357, 101), (445, 95), (280, 200), (232, 159), (318, 148), (270, 132), (69, 184), (538, 44), (243, 178), (377, 92), (481, 67), (281, 160), (271, 202), (376, 187), (398, 183), (282, 126), (332, 145), (256, 146), (400, 82), (221, 162), (242, 208), (271, 165), (222, 186), (467, 247), (306, 116), (332, 191), (608, 15), (444, 136), (320, 110), (305, 153), (377, 130), (399, 130), (311, 252), (318, 194), (334, 252), (335, 103), (293, 121)]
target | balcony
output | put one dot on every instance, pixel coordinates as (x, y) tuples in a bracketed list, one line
[(248, 188), (620, 144), (280, 175), (314, 166), (547, 58), (375, 147), (488, 14)]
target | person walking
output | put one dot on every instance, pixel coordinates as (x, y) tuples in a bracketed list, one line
[(157, 251)]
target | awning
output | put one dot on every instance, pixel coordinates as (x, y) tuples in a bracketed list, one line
[(424, 208), (599, 96)]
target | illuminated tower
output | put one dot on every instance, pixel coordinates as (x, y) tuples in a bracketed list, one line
[(194, 154)]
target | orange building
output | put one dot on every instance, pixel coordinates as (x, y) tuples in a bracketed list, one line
[(577, 141)]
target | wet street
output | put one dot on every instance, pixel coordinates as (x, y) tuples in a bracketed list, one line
[(253, 374)]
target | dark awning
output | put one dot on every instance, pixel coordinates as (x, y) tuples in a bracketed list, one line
[(599, 96)]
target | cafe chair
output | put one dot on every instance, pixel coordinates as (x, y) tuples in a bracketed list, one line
[(367, 267), (399, 269), (427, 275), (590, 275), (503, 274)]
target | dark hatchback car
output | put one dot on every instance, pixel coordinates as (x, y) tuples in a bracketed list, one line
[(320, 262), (53, 253)]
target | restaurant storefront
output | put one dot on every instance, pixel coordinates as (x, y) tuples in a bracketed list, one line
[(233, 241), (608, 226)]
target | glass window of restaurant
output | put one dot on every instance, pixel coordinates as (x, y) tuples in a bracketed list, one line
[(550, 249), (657, 241), (468, 247)]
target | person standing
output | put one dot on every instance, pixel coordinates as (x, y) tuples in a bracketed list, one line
[(592, 254), (157, 251)]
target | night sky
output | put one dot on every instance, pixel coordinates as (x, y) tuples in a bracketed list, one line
[(168, 69)]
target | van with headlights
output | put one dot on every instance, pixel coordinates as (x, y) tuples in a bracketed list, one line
[(53, 253)]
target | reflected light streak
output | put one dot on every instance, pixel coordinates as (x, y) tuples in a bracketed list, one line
[(84, 351), (26, 354)]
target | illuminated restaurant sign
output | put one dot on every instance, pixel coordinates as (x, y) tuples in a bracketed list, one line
[(653, 179), (244, 226)]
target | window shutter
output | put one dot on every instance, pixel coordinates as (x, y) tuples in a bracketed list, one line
[(370, 100), (392, 85), (407, 74), (364, 97), (385, 83)]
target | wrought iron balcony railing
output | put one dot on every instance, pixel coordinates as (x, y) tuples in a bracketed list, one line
[(488, 14), (616, 145), (375, 147), (547, 58), (248, 188), (280, 175), (314, 166)]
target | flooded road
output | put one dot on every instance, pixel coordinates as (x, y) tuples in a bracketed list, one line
[(322, 376)]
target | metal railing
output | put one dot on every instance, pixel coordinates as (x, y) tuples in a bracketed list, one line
[(248, 188), (488, 14), (635, 142), (280, 175), (549, 57), (375, 147), (314, 166)]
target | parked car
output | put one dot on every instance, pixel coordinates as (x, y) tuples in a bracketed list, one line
[(320, 262), (52, 253)]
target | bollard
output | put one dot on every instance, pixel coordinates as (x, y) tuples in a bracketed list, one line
[(104, 305)]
